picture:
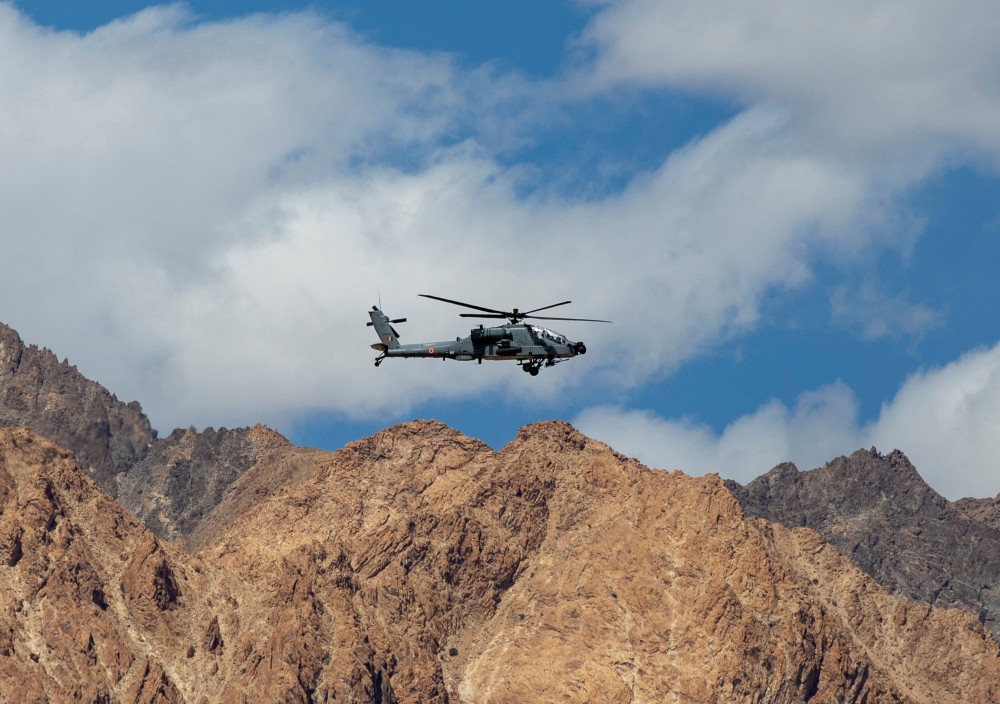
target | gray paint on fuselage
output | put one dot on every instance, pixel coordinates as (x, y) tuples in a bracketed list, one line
[(525, 342)]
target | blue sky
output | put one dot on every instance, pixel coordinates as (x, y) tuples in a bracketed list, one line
[(792, 216)]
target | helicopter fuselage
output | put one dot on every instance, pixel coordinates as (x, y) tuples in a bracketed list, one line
[(532, 346), (520, 341)]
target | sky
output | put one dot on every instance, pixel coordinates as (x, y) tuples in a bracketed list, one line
[(791, 214)]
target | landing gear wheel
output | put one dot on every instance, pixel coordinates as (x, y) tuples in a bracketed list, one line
[(533, 371)]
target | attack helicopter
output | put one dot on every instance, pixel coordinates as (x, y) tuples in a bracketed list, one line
[(530, 345)]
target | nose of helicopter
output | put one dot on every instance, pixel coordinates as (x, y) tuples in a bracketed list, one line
[(580, 348)]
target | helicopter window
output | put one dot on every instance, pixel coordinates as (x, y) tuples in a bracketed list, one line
[(548, 335)]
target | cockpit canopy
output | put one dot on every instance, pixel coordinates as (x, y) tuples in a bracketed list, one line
[(550, 335)]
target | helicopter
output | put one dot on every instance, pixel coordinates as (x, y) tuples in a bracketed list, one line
[(530, 345)]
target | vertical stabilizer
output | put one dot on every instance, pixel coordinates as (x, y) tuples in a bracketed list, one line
[(387, 335)]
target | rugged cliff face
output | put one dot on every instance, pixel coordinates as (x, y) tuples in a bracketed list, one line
[(170, 483), (38, 391), (419, 565), (984, 511), (877, 510), (184, 476), (86, 591)]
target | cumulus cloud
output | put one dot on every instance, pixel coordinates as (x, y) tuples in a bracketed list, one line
[(143, 158), (874, 78), (944, 419), (204, 210), (819, 427), (201, 212)]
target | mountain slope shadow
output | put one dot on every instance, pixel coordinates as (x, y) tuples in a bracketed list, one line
[(879, 512)]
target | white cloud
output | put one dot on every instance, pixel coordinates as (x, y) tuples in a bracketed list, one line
[(205, 211), (822, 424), (138, 160), (947, 422), (202, 212), (675, 271), (944, 419), (876, 78)]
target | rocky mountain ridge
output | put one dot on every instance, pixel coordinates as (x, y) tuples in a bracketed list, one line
[(170, 483), (879, 512), (38, 391), (420, 565), (353, 576)]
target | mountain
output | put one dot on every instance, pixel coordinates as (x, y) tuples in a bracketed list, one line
[(184, 476), (170, 483), (985, 511), (420, 565), (38, 391), (878, 511)]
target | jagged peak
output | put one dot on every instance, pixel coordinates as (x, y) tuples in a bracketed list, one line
[(265, 437), (893, 472), (399, 442), (11, 349), (783, 470), (553, 432), (419, 429), (864, 466)]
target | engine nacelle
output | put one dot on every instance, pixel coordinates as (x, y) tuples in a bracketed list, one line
[(491, 335)]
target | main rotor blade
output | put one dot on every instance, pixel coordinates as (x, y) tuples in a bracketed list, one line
[(525, 313), (501, 313), (513, 315), (583, 320)]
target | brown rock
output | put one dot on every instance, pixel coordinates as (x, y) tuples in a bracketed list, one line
[(212, 640), (149, 585), (560, 570), (419, 565), (152, 686), (62, 635)]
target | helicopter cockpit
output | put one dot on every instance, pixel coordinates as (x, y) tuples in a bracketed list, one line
[(541, 333)]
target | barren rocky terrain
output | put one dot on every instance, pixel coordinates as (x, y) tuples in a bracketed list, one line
[(879, 512), (170, 483), (420, 565)]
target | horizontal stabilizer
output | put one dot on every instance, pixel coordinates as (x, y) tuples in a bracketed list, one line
[(379, 347)]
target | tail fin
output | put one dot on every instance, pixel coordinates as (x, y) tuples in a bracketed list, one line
[(387, 335)]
